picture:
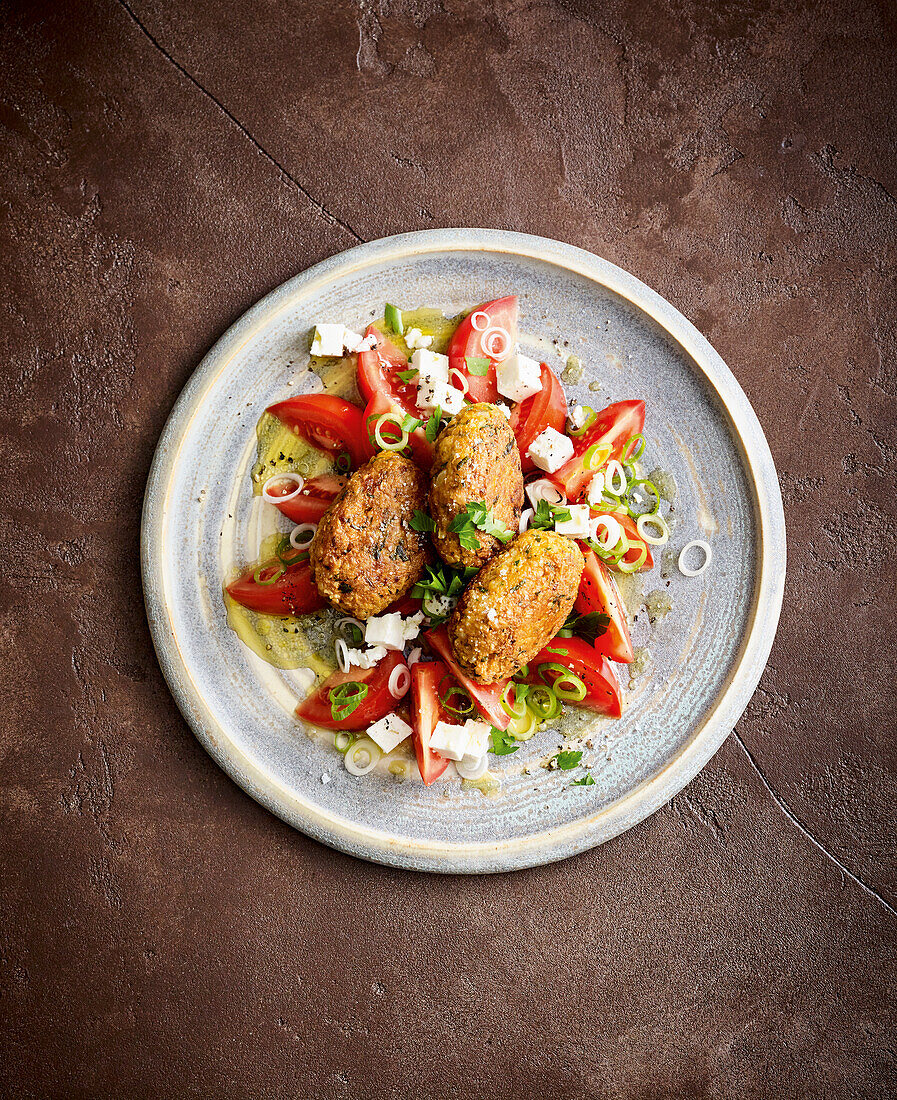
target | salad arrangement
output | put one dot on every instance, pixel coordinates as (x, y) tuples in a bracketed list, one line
[(405, 674)]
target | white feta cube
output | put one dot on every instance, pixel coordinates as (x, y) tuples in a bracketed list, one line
[(577, 526), (449, 741), (389, 732), (434, 394), (550, 450), (385, 630), (328, 340), (577, 417), (351, 339), (595, 492), (429, 364), (452, 400), (518, 377), (478, 733), (414, 338)]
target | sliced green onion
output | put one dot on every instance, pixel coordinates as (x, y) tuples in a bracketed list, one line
[(522, 729), (648, 520), (393, 420), (393, 317), (640, 450), (590, 420), (343, 740), (634, 566), (464, 707), (351, 630), (619, 504), (651, 488), (596, 456), (615, 476), (362, 757), (543, 702), (343, 462), (279, 570), (518, 710), (576, 690), (287, 554), (346, 698)]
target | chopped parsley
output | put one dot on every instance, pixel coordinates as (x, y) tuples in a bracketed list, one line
[(477, 515), (421, 521), (567, 760), (433, 425), (502, 742), (407, 375), (546, 515), (586, 781), (477, 366), (410, 423), (589, 627)]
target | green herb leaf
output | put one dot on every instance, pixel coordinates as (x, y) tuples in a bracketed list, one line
[(588, 627), (567, 760), (407, 375), (433, 424), (463, 526), (502, 742), (546, 515), (410, 423), (393, 317), (420, 521), (586, 781), (477, 515), (477, 366)]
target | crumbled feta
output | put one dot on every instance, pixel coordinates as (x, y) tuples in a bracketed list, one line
[(351, 339), (578, 416), (441, 605), (504, 409), (577, 526), (518, 377), (414, 338), (478, 734), (325, 778), (595, 493), (450, 741), (434, 394), (368, 343), (328, 340), (365, 658), (411, 626), (429, 364), (389, 732), (385, 630), (550, 450)]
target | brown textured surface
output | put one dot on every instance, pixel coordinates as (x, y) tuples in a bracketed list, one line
[(164, 165)]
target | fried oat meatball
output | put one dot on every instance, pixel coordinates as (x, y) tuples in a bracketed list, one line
[(364, 554), (476, 460), (515, 605)]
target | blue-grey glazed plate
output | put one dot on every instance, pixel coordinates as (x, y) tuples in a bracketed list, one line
[(707, 653)]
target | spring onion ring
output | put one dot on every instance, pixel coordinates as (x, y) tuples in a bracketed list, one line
[(342, 655), (542, 489), (279, 570), (464, 709), (596, 456), (652, 488), (589, 421), (297, 539), (479, 320), (458, 380), (613, 532), (633, 566), (543, 702), (525, 516), (640, 450), (708, 557), (648, 520), (576, 689), (518, 710), (472, 771), (394, 420), (488, 343), (522, 729), (342, 740), (343, 462), (615, 470), (362, 757), (288, 475), (399, 681), (355, 631)]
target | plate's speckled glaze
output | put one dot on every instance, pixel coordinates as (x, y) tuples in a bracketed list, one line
[(708, 652)]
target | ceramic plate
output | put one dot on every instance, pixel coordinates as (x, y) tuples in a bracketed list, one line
[(707, 653)]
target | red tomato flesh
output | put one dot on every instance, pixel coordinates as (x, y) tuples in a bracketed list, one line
[(545, 409), (595, 671), (293, 593), (326, 422), (317, 494), (467, 341), (377, 703), (486, 697), (426, 711), (615, 425), (631, 532), (378, 373), (598, 592)]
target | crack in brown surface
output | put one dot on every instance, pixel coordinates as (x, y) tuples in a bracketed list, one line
[(328, 215)]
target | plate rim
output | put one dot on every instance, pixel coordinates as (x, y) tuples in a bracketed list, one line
[(585, 832)]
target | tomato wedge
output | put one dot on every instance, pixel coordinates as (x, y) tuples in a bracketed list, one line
[(631, 532), (486, 697), (615, 425), (595, 671), (317, 494), (421, 447), (292, 593), (377, 702), (326, 422), (426, 711), (378, 373), (468, 341), (545, 409), (598, 592)]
